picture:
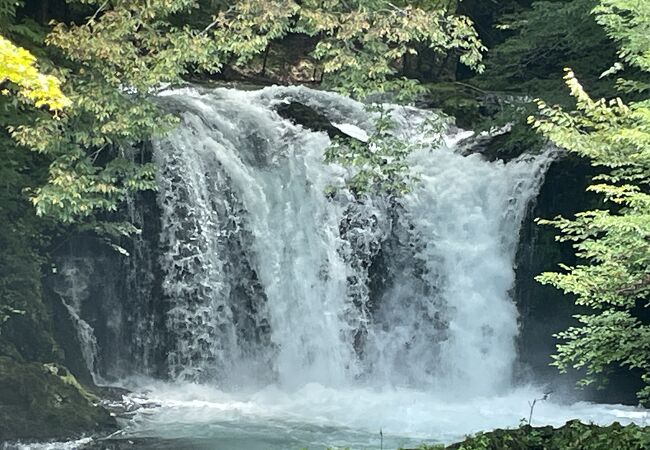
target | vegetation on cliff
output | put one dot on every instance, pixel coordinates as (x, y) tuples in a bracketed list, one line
[(45, 401)]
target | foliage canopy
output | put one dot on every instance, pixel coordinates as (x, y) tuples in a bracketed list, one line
[(112, 56)]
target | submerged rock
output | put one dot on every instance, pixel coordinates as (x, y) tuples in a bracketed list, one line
[(44, 401)]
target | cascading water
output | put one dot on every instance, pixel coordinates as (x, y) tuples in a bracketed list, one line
[(450, 321), (72, 288), (312, 318), (239, 183)]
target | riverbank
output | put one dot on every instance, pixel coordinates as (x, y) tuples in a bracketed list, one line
[(572, 435)]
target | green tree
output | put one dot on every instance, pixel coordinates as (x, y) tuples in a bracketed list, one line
[(102, 62), (18, 67), (110, 64), (380, 166), (360, 43), (113, 55), (613, 279), (544, 39)]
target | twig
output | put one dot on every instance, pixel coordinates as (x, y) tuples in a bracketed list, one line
[(94, 16), (209, 27), (95, 155), (216, 21), (398, 9), (532, 405), (460, 83)]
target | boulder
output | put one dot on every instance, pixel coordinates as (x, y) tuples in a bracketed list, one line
[(44, 401)]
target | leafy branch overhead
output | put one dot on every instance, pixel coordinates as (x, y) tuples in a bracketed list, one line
[(359, 43), (112, 56), (380, 165)]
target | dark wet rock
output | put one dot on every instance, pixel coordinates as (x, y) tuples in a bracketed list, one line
[(44, 401), (543, 309), (491, 146), (111, 393), (499, 119), (303, 115), (64, 332)]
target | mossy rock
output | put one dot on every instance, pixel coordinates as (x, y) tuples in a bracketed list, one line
[(44, 401), (574, 435)]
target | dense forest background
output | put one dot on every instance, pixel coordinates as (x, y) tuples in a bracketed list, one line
[(77, 112)]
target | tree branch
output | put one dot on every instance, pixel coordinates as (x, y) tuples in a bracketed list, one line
[(94, 16)]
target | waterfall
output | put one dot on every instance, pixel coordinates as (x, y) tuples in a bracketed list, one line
[(269, 279), (265, 306), (72, 287), (244, 208)]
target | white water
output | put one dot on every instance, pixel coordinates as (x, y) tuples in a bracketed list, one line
[(318, 417), (236, 165), (243, 168)]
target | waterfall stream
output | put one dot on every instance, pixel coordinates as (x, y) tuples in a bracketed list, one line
[(259, 272), (294, 316)]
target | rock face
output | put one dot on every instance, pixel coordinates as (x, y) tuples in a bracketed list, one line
[(118, 298), (39, 398), (44, 401), (309, 118), (545, 310)]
